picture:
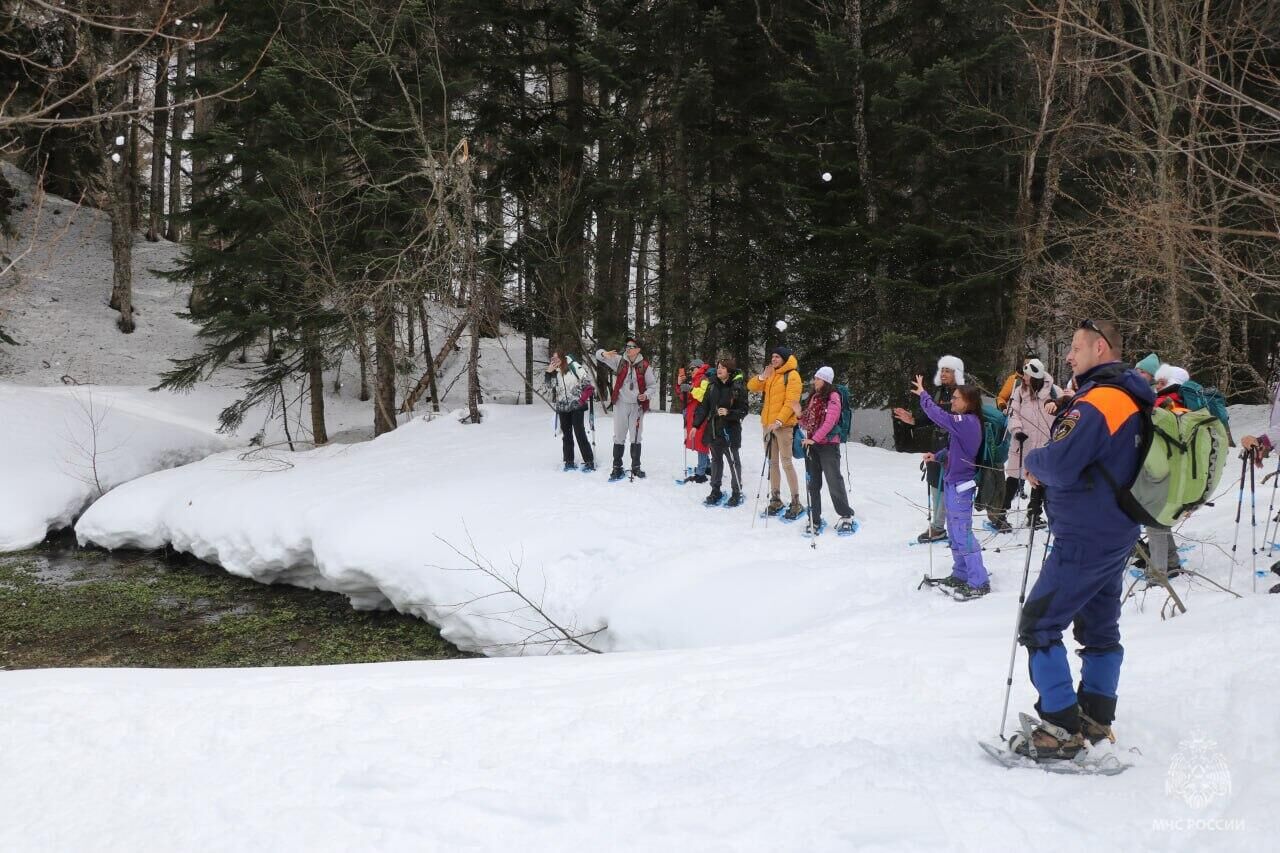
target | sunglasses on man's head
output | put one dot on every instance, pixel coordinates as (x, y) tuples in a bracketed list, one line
[(1093, 327)]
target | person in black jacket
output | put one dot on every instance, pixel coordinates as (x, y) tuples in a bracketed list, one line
[(722, 409)]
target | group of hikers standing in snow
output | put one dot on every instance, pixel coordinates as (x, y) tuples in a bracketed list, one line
[(1082, 449), (714, 400)]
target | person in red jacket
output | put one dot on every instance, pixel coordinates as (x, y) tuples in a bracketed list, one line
[(691, 386)]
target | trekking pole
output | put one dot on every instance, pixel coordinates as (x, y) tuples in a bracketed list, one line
[(1235, 543), (768, 442), (928, 512), (808, 502), (1269, 534), (1253, 517), (1017, 624)]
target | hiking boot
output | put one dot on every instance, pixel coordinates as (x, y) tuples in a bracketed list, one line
[(953, 581), (775, 506), (637, 473), (616, 474), (794, 511), (700, 478), (1095, 732), (588, 467), (844, 525), (735, 499), (1046, 741), (635, 462), (1000, 524), (967, 590), (570, 466), (714, 498), (1038, 520), (933, 534)]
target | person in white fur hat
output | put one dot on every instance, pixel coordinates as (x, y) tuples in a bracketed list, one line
[(948, 377)]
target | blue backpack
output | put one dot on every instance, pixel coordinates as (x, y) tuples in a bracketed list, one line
[(1196, 397), (995, 437), (845, 425)]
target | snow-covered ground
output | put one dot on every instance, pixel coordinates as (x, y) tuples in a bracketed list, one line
[(799, 699)]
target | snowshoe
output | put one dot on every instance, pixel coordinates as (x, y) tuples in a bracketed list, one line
[(795, 511), (999, 525), (615, 475), (775, 506), (1042, 741), (810, 531), (933, 534), (846, 527), (949, 582), (570, 466), (637, 474), (1037, 520), (685, 480), (735, 499), (587, 467), (715, 498), (700, 478)]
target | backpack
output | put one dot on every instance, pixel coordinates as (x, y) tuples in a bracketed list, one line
[(845, 425), (993, 452), (1196, 397), (1183, 459)]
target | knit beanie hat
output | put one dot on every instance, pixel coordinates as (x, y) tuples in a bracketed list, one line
[(1149, 365), (953, 363), (826, 374), (782, 352)]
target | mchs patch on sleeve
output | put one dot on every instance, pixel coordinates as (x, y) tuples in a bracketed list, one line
[(1066, 424)]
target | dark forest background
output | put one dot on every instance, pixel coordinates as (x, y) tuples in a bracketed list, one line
[(897, 180)]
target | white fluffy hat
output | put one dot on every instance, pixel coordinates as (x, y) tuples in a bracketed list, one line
[(1167, 374), (952, 362), (1035, 369)]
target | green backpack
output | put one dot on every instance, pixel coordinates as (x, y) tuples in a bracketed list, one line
[(1185, 455)]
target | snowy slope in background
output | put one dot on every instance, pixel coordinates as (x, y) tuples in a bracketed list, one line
[(54, 304)]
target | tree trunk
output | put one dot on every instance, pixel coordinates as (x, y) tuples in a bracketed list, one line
[(362, 356), (315, 373), (135, 147), (204, 112), (384, 345), (178, 122), (431, 365), (159, 134)]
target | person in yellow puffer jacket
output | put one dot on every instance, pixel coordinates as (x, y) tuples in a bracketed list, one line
[(781, 384)]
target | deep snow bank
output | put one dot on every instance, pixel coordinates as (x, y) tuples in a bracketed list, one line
[(400, 520), (60, 446)]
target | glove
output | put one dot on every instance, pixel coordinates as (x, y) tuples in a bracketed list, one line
[(1020, 436), (685, 387)]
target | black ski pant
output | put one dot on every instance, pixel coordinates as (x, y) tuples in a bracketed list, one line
[(823, 460), (574, 424), (720, 449), (1011, 487)]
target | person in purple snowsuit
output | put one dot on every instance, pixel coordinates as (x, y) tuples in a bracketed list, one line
[(963, 425)]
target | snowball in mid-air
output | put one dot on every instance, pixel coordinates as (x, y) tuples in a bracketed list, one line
[(826, 176), (781, 325)]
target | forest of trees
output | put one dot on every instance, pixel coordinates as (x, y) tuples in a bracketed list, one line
[(896, 179)]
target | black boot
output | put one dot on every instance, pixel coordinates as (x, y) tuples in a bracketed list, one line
[(1035, 508), (635, 461), (616, 473), (714, 498)]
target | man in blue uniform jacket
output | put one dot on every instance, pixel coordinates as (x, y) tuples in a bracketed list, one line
[(1081, 582)]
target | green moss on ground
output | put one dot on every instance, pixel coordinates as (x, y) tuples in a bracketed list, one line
[(89, 608)]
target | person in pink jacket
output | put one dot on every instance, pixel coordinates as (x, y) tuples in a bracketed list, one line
[(822, 451)]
